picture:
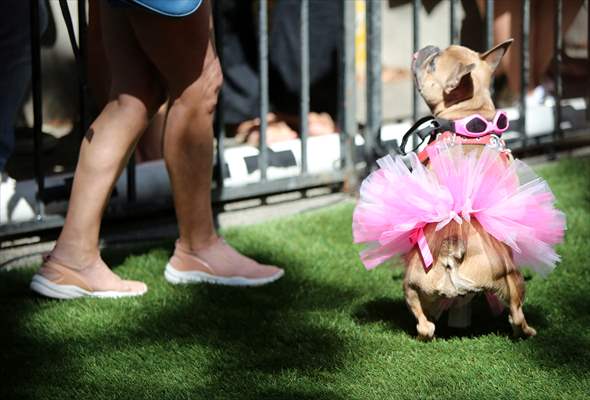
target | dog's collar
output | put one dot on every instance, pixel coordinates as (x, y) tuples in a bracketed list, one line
[(451, 139)]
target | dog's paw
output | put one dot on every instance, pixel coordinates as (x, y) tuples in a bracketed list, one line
[(425, 331), (523, 331)]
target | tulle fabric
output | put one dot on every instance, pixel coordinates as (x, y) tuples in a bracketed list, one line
[(510, 202)]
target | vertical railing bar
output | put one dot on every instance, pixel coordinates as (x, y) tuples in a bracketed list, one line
[(37, 106), (347, 92), (304, 93), (219, 121), (131, 179), (374, 115), (341, 82), (524, 67), (489, 24), (558, 42), (489, 17), (416, 5), (65, 10), (454, 33), (82, 68), (588, 60), (263, 65)]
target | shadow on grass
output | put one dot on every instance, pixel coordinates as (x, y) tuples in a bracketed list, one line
[(257, 338), (566, 345), (562, 347), (395, 315), (24, 357)]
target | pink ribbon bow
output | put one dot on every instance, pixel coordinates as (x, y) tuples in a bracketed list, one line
[(417, 237)]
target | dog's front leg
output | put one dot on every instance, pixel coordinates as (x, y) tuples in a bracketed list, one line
[(425, 328)]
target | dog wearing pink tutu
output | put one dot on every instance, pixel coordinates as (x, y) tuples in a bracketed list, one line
[(465, 215)]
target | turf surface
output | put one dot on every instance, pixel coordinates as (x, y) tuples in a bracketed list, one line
[(328, 329)]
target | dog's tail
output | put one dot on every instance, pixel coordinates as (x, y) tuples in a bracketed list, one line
[(451, 254), (452, 251)]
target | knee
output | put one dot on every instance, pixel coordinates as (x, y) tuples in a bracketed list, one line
[(199, 99), (139, 102)]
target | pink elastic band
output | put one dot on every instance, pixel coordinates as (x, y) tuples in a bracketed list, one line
[(495, 304), (417, 237)]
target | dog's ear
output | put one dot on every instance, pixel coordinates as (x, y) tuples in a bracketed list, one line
[(458, 75), (495, 54), (459, 85)]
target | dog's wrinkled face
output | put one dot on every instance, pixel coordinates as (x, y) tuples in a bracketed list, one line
[(457, 77)]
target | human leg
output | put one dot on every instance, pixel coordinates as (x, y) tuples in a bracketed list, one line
[(191, 70), (507, 24), (15, 66), (543, 34), (149, 146), (134, 97)]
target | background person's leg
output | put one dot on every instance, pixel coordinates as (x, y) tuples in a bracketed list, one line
[(15, 75), (543, 34), (285, 56), (135, 96), (507, 24), (15, 66), (183, 51), (240, 62)]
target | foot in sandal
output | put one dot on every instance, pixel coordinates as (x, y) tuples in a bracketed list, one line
[(218, 263), (60, 281)]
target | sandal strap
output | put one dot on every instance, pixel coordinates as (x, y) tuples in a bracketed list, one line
[(63, 275)]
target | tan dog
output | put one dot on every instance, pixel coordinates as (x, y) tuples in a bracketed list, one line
[(455, 83)]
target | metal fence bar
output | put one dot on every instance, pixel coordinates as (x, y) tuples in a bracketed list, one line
[(347, 109), (65, 10), (490, 32), (263, 67), (37, 106), (82, 68), (304, 92), (524, 66), (453, 29), (220, 170), (131, 181), (347, 101), (374, 94), (416, 5), (489, 24), (588, 60), (558, 44), (279, 185)]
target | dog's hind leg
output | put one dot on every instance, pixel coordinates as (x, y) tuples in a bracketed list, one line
[(513, 294), (424, 327)]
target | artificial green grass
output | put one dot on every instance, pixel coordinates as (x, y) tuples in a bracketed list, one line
[(328, 329)]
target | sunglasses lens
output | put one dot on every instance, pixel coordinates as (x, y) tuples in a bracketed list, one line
[(476, 125), (502, 122)]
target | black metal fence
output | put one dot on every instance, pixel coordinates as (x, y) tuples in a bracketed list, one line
[(351, 154)]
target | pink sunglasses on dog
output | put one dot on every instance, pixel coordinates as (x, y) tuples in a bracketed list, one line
[(476, 126)]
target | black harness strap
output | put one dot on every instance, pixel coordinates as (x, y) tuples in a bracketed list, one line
[(437, 125)]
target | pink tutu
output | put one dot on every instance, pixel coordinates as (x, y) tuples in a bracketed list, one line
[(510, 202)]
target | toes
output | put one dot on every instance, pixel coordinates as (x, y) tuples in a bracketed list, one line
[(135, 287), (271, 270)]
